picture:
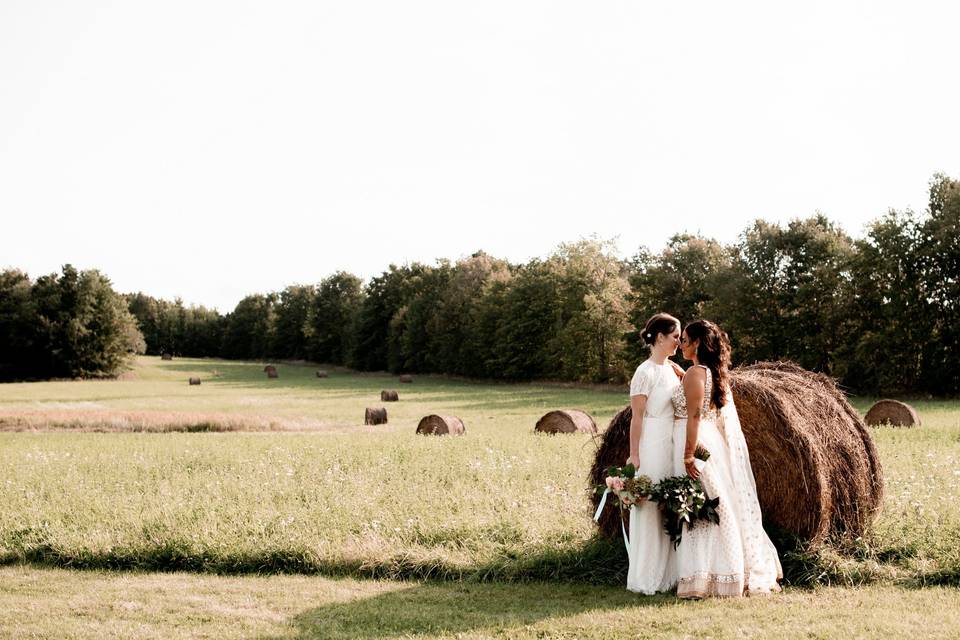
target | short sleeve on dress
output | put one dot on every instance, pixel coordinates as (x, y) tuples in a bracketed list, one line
[(642, 382)]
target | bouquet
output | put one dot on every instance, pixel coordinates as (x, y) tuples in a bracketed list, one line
[(681, 498), (684, 500), (627, 487), (701, 453)]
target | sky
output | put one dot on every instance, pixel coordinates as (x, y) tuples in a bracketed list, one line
[(212, 149)]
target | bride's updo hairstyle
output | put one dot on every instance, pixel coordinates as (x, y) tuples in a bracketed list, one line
[(713, 352), (660, 323)]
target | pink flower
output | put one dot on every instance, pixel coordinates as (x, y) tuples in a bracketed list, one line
[(610, 480), (617, 485)]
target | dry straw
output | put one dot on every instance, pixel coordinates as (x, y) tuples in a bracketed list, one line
[(389, 395), (566, 421), (816, 466), (441, 425), (102, 420), (375, 415), (406, 378), (894, 413)]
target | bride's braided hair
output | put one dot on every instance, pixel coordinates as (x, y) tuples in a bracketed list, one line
[(713, 352)]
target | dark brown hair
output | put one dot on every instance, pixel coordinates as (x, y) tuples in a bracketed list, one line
[(713, 352), (659, 323)]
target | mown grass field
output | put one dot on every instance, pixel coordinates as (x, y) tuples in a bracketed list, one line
[(313, 491)]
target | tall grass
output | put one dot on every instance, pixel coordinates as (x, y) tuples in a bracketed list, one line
[(498, 503)]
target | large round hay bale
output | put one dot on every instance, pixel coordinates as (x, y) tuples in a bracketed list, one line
[(566, 421), (816, 466), (166, 356), (894, 413), (271, 371), (389, 395), (375, 415), (322, 374), (194, 381), (441, 425), (613, 451), (406, 378)]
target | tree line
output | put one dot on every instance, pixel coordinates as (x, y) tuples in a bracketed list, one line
[(67, 325), (879, 313)]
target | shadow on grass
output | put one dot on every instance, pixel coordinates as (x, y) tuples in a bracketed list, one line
[(597, 561), (449, 609)]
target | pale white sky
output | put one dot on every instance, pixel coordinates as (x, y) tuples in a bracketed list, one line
[(212, 149)]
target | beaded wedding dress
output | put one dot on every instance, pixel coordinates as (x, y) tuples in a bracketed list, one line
[(735, 557)]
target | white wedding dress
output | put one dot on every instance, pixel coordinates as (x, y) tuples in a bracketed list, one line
[(735, 557), (652, 566)]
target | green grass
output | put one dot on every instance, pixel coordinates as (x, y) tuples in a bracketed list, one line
[(338, 498), (43, 603), (334, 403)]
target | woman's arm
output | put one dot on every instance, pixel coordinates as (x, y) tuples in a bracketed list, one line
[(694, 383), (638, 404)]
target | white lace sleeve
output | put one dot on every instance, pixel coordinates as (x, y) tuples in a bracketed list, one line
[(642, 382)]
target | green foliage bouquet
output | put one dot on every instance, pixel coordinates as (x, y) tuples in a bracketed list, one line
[(683, 500)]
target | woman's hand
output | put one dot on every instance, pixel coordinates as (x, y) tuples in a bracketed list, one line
[(635, 461), (691, 468), (677, 369)]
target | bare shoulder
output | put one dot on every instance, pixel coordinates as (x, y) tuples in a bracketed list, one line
[(695, 376)]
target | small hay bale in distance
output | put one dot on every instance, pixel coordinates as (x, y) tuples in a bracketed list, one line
[(389, 395), (322, 374), (271, 371), (566, 421), (166, 356), (375, 415), (814, 460), (406, 378), (441, 426), (194, 381), (894, 413)]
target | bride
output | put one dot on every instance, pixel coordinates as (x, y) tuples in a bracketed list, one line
[(652, 567), (735, 557)]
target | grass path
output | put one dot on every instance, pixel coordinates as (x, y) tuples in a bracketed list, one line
[(53, 603)]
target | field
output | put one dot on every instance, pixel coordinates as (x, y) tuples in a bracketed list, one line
[(244, 475)]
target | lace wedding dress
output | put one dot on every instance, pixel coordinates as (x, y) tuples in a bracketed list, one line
[(735, 557), (652, 565)]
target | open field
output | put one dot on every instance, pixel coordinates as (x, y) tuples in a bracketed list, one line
[(44, 603), (333, 497), (241, 397)]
